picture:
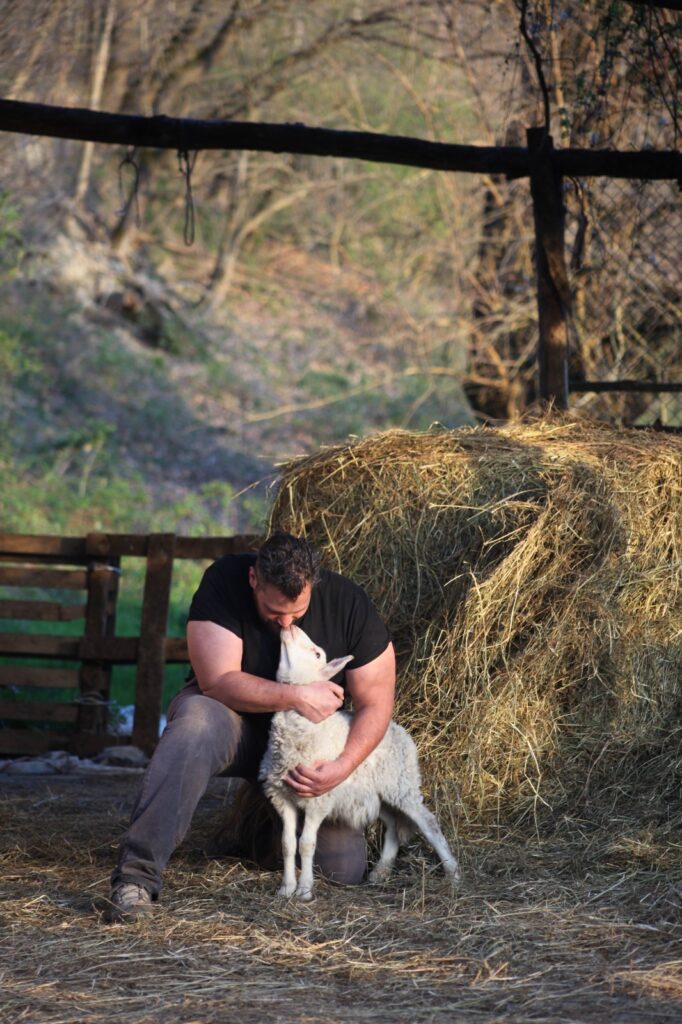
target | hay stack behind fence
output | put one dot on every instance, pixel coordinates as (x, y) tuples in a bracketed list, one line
[(531, 578)]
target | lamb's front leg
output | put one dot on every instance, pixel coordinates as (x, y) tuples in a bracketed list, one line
[(306, 849), (288, 816)]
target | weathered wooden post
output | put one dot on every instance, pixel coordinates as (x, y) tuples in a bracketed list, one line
[(554, 295), (100, 621), (151, 657)]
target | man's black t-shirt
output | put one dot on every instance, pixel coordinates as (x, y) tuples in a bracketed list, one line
[(340, 618)]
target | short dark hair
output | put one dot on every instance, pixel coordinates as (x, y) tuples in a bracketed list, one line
[(288, 563)]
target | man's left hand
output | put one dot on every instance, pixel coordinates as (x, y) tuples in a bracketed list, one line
[(317, 778)]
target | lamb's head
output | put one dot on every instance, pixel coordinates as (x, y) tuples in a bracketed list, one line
[(301, 661)]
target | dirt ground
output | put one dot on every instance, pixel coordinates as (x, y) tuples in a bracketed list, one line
[(583, 927)]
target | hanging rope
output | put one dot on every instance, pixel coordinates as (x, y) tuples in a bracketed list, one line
[(129, 161), (186, 162)]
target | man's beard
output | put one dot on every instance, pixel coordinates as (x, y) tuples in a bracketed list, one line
[(274, 627)]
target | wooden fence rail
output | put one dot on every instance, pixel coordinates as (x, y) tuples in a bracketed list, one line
[(51, 571)]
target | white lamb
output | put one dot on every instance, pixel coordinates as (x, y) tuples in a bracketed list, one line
[(385, 785)]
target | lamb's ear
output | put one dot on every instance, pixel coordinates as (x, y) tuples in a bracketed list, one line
[(334, 666)]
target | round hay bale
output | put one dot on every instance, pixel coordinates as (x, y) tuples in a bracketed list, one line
[(530, 575)]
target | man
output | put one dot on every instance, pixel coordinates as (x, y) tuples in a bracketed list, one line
[(219, 722)]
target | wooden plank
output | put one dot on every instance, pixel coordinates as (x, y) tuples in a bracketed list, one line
[(126, 544), (116, 650), (25, 742), (39, 576), (153, 625), (176, 650), (113, 545), (34, 646), (215, 547), (553, 289), (625, 385), (45, 560), (104, 545), (24, 544), (33, 675), (41, 611), (37, 711)]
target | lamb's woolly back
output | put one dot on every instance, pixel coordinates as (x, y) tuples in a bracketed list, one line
[(390, 773)]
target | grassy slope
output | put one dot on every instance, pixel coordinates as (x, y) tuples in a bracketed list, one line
[(100, 430)]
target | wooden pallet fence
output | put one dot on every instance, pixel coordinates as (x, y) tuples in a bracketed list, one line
[(61, 580)]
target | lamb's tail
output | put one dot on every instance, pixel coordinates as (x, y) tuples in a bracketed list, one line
[(418, 816)]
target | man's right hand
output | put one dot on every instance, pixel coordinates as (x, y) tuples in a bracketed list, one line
[(317, 701)]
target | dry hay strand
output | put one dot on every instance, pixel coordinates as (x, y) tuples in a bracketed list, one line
[(584, 926), (530, 575), (663, 980)]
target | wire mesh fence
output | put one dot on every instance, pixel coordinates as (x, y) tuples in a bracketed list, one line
[(624, 249)]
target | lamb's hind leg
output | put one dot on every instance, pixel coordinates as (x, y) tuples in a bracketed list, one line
[(306, 849), (428, 825), (389, 850)]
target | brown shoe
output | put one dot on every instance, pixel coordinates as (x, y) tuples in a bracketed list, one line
[(128, 900)]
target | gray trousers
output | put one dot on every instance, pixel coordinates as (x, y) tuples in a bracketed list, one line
[(204, 738)]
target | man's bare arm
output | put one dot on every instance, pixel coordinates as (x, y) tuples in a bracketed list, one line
[(216, 657), (372, 688)]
